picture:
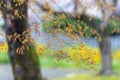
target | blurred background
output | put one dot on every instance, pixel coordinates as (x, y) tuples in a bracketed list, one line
[(74, 39)]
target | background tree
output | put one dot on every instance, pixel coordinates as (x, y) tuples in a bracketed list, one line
[(100, 26), (103, 28)]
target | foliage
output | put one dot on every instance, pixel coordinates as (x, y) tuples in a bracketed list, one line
[(3, 46), (114, 26), (116, 55), (70, 26), (81, 56), (48, 60), (84, 53), (61, 22), (24, 39)]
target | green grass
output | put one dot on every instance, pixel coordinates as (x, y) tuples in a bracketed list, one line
[(116, 66), (49, 61), (45, 61), (4, 59), (88, 76)]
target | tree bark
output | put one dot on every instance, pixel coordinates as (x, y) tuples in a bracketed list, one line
[(26, 66), (106, 57)]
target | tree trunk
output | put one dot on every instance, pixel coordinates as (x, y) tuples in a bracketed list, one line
[(106, 57), (26, 66)]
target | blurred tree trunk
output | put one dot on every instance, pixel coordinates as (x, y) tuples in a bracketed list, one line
[(106, 57), (26, 66), (105, 45)]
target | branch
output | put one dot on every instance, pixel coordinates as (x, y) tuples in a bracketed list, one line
[(90, 21), (93, 22)]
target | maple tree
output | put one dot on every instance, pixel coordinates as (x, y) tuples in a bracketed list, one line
[(25, 66), (71, 25), (100, 27)]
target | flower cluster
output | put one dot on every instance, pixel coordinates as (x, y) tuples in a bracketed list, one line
[(23, 39)]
